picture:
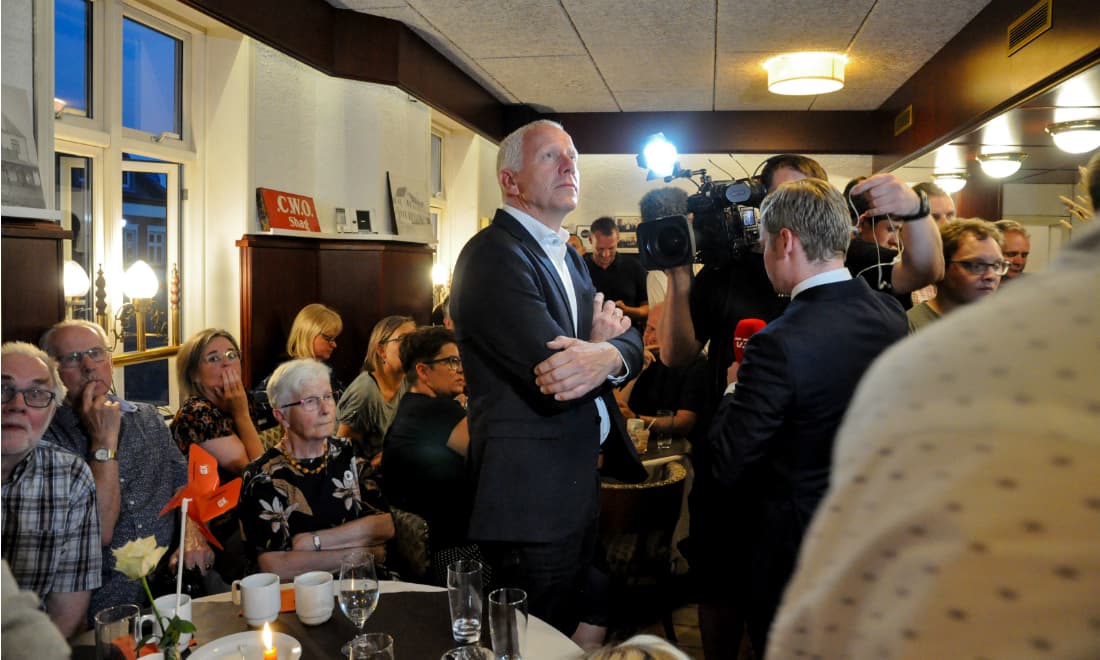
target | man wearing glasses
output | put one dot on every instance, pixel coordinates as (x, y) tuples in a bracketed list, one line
[(50, 526), (136, 466), (973, 266)]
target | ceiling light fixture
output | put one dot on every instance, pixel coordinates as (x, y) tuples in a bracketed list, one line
[(1001, 165), (801, 74), (950, 182), (1076, 137)]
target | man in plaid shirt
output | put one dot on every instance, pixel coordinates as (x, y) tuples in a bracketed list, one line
[(50, 531)]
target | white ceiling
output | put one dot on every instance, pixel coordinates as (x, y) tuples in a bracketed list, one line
[(690, 55)]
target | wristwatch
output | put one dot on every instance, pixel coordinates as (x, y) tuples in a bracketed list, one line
[(316, 542), (103, 455), (923, 211)]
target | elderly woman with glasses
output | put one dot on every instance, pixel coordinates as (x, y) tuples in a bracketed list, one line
[(370, 402), (311, 498)]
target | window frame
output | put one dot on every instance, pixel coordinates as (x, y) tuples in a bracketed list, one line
[(103, 140)]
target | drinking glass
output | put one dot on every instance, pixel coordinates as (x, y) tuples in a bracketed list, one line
[(371, 646), (117, 632), (464, 591), (508, 623), (664, 436), (358, 593)]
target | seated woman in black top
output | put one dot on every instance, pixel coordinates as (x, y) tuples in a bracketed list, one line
[(423, 457)]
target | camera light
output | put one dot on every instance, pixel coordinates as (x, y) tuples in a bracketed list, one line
[(801, 74), (658, 155)]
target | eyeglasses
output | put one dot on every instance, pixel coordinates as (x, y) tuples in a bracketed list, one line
[(453, 362), (329, 338), (979, 267), (216, 358), (311, 403), (35, 397), (70, 360)]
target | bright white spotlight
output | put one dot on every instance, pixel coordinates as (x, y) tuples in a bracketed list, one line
[(659, 155)]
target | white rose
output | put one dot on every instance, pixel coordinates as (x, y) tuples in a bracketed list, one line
[(138, 558)]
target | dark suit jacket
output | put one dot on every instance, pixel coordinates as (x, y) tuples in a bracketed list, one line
[(533, 459), (772, 439)]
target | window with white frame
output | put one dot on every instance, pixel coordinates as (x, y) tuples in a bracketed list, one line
[(124, 74)]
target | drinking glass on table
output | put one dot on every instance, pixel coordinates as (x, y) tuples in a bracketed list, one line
[(508, 623), (372, 646), (358, 593), (663, 428), (464, 592)]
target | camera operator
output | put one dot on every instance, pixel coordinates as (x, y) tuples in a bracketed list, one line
[(920, 259)]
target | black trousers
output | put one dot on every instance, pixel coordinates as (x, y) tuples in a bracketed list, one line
[(553, 574)]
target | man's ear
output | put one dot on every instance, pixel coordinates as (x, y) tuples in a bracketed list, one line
[(508, 183), (786, 242)]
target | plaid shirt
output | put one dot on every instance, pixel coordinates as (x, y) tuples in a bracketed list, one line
[(150, 470), (51, 526)]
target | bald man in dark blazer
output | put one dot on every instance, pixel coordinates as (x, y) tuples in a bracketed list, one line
[(541, 353)]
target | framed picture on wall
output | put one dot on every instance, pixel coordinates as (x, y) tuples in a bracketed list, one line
[(583, 232), (628, 239)]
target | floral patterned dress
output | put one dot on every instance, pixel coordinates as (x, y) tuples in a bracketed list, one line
[(279, 501)]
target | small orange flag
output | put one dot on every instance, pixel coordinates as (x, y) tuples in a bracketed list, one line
[(208, 499)]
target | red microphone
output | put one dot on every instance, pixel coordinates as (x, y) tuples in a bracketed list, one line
[(745, 328)]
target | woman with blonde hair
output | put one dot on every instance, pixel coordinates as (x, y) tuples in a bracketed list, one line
[(370, 402), (312, 335)]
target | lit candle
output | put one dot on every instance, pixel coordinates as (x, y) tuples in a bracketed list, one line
[(270, 652)]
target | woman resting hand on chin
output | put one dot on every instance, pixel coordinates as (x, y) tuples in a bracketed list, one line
[(217, 414)]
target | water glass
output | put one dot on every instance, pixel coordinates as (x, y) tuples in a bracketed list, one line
[(117, 632), (508, 623), (664, 436), (371, 646), (358, 594), (465, 591)]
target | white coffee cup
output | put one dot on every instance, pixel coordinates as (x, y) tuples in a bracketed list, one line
[(313, 597), (258, 596), (166, 606)]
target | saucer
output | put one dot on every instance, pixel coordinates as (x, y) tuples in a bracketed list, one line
[(239, 646)]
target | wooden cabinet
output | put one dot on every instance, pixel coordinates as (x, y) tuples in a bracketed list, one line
[(31, 262), (364, 280)]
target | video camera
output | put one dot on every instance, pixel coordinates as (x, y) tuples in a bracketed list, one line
[(726, 225)]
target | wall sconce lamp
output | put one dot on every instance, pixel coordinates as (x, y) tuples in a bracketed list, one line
[(1001, 165), (803, 74), (1076, 137), (950, 182), (76, 285), (135, 318), (440, 278)]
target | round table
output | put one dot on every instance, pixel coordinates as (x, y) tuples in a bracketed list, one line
[(417, 615)]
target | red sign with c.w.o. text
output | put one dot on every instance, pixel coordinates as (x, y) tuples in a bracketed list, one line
[(283, 210)]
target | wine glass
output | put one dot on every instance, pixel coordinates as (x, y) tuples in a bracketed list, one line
[(358, 591)]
